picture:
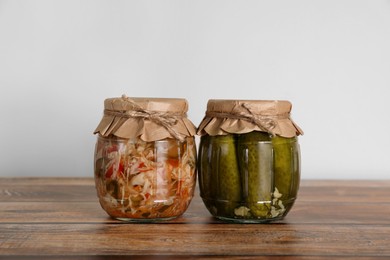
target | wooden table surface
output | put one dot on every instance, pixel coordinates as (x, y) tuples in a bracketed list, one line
[(60, 218)]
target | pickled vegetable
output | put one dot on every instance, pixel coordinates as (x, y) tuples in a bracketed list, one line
[(221, 177), (286, 166), (255, 157), (252, 176), (144, 180), (208, 189)]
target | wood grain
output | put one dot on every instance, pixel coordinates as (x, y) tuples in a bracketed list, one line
[(58, 218)]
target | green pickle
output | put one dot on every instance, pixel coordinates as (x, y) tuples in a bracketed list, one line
[(252, 177), (204, 165), (286, 168), (255, 159), (220, 175)]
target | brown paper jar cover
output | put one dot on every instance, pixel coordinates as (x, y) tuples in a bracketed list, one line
[(150, 119), (243, 116)]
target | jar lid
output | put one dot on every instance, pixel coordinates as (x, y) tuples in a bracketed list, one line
[(243, 116), (150, 119)]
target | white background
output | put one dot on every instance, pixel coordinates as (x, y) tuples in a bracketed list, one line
[(59, 60)]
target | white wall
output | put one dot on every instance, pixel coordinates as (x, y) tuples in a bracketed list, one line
[(60, 59)]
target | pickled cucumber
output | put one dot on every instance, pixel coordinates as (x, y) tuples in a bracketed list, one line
[(221, 172), (207, 189), (251, 176), (286, 173), (255, 160)]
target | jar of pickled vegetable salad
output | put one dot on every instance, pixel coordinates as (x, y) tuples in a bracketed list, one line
[(249, 160), (145, 159)]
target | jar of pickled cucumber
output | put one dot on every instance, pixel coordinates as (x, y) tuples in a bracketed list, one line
[(145, 159), (249, 160)]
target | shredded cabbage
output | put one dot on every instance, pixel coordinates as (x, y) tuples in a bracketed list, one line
[(138, 180)]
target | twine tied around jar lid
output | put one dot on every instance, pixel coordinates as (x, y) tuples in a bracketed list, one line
[(243, 116), (167, 115), (165, 119), (265, 122)]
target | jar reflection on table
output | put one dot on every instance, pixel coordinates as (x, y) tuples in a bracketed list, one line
[(145, 181)]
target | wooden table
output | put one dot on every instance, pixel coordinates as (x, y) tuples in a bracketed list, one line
[(60, 218)]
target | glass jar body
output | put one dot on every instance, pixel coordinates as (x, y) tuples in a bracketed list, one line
[(249, 178), (142, 181)]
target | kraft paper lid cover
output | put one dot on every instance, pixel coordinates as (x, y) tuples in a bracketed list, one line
[(150, 119), (244, 116)]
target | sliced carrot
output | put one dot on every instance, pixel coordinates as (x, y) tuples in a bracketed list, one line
[(174, 162)]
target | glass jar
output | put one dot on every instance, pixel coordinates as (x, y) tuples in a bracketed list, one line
[(249, 160), (145, 159)]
